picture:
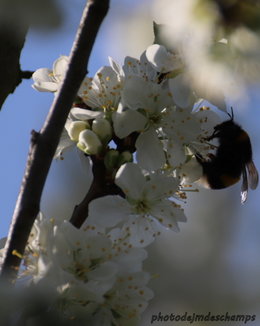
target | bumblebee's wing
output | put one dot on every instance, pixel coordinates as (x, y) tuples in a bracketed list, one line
[(244, 187), (252, 175)]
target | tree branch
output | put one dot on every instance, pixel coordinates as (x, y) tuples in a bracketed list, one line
[(44, 143), (96, 190), (103, 181), (102, 185)]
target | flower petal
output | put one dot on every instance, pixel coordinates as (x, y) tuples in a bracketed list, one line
[(134, 92), (168, 214), (128, 121), (142, 94), (162, 60), (116, 67), (104, 271), (103, 90), (141, 230), (131, 180), (64, 144), (60, 67), (130, 261), (43, 74), (160, 186), (108, 211), (175, 153), (45, 86), (44, 81), (181, 91), (84, 114), (150, 154), (190, 171)]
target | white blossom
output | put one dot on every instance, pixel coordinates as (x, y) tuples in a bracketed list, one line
[(185, 132), (140, 94), (126, 121), (149, 100), (144, 123), (162, 60), (215, 68), (94, 276), (96, 272), (46, 80), (103, 90), (140, 68), (147, 204), (190, 171)]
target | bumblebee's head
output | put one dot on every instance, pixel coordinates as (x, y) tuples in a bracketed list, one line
[(227, 129)]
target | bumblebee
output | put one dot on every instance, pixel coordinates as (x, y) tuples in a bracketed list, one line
[(232, 159)]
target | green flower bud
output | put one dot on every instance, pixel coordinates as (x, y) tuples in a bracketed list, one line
[(89, 142), (103, 129), (111, 159), (75, 128), (125, 157)]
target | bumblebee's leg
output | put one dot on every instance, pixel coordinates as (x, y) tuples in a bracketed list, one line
[(211, 156), (214, 135), (199, 158), (202, 159)]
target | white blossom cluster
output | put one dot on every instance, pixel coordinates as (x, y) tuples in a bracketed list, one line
[(145, 124), (192, 25), (98, 278)]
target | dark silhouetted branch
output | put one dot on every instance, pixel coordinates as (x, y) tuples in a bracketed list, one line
[(12, 39), (102, 185), (26, 74)]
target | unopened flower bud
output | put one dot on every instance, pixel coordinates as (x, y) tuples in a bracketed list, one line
[(111, 159), (75, 128), (102, 128), (125, 157), (89, 142)]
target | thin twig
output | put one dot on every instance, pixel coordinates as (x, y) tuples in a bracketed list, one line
[(26, 74), (96, 190), (44, 143), (103, 181), (102, 185)]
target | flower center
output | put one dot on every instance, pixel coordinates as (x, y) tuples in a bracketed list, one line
[(142, 206)]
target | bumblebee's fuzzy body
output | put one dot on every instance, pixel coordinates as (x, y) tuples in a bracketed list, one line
[(233, 156)]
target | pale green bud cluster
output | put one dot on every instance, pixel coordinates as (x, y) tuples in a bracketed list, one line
[(103, 129), (76, 127), (89, 142), (90, 138)]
